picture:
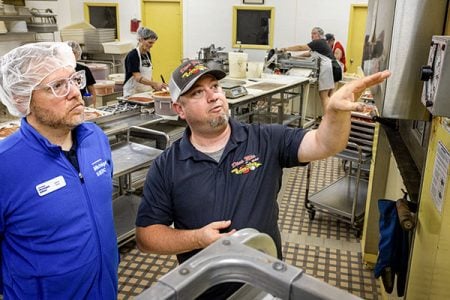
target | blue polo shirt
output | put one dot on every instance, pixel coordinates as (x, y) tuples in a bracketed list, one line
[(190, 189)]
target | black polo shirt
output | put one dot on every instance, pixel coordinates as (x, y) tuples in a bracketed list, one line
[(190, 189), (90, 80), (322, 47)]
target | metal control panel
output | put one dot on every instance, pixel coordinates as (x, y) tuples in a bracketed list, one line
[(436, 77)]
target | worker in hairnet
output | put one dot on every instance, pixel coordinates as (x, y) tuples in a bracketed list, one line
[(139, 67), (88, 92), (57, 236)]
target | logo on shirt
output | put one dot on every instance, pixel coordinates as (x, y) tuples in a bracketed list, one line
[(99, 167), (246, 165)]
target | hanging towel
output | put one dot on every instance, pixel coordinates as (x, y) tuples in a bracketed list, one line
[(393, 248)]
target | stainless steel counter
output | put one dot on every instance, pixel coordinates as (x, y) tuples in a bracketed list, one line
[(273, 91), (129, 157), (119, 123)]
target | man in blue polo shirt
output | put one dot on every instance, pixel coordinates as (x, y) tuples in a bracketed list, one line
[(223, 175)]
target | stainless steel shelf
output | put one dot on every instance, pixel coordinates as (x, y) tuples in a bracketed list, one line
[(15, 17), (17, 37), (125, 208), (338, 197), (130, 157), (268, 118)]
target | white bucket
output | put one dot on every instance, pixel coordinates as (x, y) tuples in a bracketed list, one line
[(255, 69), (99, 71), (237, 64)]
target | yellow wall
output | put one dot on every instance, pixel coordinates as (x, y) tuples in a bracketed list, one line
[(429, 276)]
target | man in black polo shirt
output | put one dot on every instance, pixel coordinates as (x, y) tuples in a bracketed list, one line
[(223, 175), (319, 47)]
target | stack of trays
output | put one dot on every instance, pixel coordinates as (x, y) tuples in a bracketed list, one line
[(94, 39), (76, 32), (3, 27), (9, 10)]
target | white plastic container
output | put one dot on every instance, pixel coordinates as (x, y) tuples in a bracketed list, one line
[(237, 64), (254, 69), (117, 47), (118, 78), (17, 26), (104, 87), (99, 71)]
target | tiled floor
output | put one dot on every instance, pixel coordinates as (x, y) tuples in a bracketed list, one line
[(325, 248)]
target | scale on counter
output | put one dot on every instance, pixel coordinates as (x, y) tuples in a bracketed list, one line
[(233, 88)]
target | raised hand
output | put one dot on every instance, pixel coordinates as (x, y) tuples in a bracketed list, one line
[(345, 98)]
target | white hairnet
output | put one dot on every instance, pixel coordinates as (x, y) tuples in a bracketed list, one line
[(23, 68), (146, 33), (76, 49)]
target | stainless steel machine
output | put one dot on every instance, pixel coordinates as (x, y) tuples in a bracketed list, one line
[(284, 62), (398, 35), (214, 57)]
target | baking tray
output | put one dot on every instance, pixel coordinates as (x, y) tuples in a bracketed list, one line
[(266, 86), (363, 121), (91, 114), (145, 98)]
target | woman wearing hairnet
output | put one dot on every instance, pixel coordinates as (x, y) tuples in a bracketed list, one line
[(90, 80), (138, 65), (57, 236)]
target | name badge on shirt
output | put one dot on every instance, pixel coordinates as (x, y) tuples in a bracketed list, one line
[(50, 186)]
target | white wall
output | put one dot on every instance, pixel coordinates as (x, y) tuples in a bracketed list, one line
[(72, 11), (128, 9), (208, 22)]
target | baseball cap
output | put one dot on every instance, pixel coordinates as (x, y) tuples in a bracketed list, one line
[(329, 36), (187, 74)]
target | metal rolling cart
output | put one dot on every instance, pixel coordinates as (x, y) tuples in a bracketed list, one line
[(345, 198), (128, 157), (119, 121)]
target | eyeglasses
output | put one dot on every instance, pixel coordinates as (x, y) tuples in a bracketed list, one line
[(200, 92), (61, 87)]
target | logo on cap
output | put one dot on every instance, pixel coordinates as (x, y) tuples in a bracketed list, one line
[(192, 69)]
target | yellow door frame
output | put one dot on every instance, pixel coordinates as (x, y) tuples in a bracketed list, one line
[(354, 56), (168, 51)]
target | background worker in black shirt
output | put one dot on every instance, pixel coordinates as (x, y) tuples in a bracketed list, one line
[(90, 80), (319, 46)]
